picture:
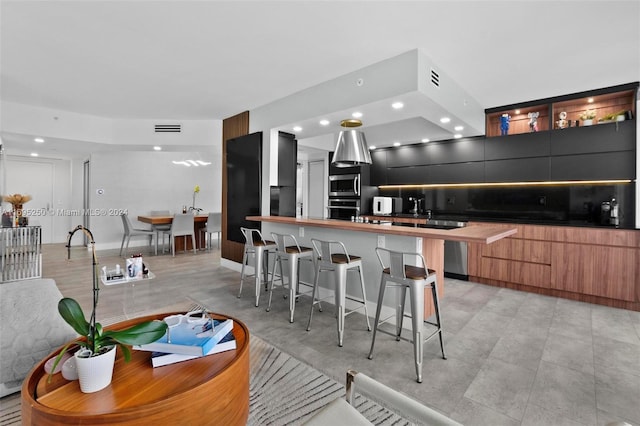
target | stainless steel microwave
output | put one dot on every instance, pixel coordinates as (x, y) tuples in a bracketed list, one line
[(344, 185)]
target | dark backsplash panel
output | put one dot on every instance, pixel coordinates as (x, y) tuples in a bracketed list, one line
[(577, 205)]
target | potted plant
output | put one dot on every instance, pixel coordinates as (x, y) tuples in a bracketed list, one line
[(587, 117), (98, 346)]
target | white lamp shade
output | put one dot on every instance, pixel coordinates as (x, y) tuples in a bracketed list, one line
[(351, 150)]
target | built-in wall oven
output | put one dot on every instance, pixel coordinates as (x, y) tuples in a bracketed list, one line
[(344, 185), (343, 208)]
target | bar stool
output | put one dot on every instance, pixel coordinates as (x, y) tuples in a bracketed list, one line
[(332, 256), (293, 254), (415, 278), (259, 247)]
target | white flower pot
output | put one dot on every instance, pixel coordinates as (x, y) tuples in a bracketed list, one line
[(587, 122), (94, 372)]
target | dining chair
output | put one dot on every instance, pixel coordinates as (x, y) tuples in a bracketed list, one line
[(182, 226), (214, 226), (164, 229), (130, 231)]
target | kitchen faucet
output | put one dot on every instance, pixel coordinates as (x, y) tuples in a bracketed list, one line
[(416, 205)]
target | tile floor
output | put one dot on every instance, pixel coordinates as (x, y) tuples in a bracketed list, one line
[(513, 358)]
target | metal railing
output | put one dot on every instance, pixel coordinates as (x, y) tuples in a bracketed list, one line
[(20, 253)]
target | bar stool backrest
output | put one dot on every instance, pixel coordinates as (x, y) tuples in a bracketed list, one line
[(326, 249), (396, 261), (281, 241), (253, 236)]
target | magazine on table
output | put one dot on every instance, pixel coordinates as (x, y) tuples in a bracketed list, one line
[(158, 359), (190, 334)]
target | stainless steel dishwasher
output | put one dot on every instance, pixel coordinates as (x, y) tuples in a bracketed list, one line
[(455, 254)]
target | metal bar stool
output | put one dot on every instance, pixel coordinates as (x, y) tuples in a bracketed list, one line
[(260, 248), (416, 279), (293, 254), (333, 257)]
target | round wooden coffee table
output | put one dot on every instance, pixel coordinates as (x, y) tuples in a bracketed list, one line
[(210, 390)]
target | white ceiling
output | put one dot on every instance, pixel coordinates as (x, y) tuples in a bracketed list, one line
[(213, 59)]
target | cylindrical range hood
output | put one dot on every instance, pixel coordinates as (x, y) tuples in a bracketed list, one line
[(352, 148)]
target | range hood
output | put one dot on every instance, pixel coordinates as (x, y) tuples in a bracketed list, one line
[(351, 149)]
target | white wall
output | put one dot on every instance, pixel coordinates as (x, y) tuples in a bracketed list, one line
[(139, 182)]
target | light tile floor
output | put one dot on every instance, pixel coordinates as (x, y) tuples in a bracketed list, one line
[(514, 358)]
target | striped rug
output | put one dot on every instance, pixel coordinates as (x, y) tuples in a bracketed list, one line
[(282, 390)]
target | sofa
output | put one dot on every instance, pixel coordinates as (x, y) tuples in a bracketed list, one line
[(30, 328)]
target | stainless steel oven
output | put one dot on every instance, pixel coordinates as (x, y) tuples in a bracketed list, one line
[(343, 208), (344, 185)]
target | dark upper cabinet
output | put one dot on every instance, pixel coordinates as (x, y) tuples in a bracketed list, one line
[(517, 170), (378, 169), (456, 172), (407, 156), (287, 159), (455, 151), (596, 166), (535, 144), (408, 175), (618, 136)]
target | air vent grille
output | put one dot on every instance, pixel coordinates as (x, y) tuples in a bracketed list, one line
[(168, 128), (435, 78)]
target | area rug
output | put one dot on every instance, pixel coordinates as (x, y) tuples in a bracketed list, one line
[(282, 389)]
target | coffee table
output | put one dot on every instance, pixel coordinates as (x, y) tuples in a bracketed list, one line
[(210, 390)]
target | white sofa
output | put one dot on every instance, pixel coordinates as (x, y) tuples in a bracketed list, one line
[(30, 328)]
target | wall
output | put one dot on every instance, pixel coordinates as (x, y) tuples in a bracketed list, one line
[(139, 182)]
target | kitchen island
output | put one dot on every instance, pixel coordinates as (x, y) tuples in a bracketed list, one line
[(362, 238)]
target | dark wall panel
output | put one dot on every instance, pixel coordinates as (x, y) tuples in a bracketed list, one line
[(244, 183)]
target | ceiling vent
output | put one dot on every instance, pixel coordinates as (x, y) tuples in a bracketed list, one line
[(435, 78), (168, 128)]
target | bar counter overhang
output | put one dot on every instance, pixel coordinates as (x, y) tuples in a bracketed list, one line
[(431, 240)]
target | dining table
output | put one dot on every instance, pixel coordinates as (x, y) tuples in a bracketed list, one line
[(199, 222)]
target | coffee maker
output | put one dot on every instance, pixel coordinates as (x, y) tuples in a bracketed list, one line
[(610, 213)]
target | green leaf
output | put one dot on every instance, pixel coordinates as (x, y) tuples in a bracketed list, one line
[(72, 313), (139, 334)]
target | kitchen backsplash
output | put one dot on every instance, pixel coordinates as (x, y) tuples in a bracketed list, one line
[(562, 205)]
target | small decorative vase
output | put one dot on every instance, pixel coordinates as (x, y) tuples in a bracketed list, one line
[(587, 122), (94, 372)]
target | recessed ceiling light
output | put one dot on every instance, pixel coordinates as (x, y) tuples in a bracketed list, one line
[(297, 128), (458, 128), (324, 122), (356, 114), (425, 140), (157, 148), (34, 154), (590, 100), (396, 144), (39, 140), (445, 120), (457, 136), (372, 147), (517, 111), (397, 105)]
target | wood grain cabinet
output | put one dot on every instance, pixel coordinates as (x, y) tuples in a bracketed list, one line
[(591, 265)]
